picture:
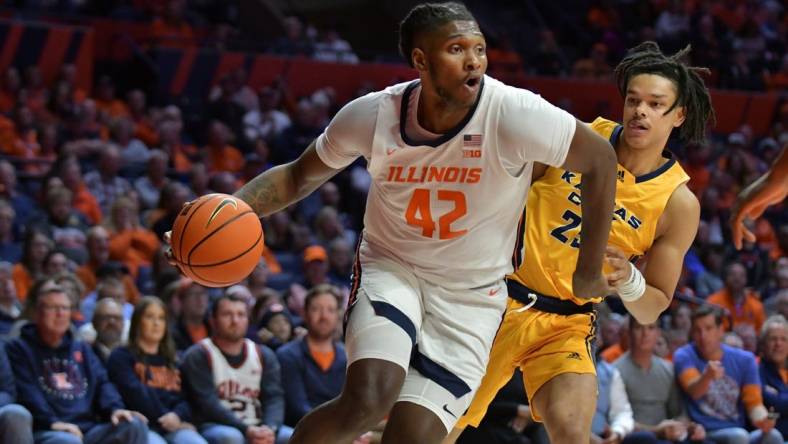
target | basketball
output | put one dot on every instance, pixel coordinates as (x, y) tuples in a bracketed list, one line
[(217, 240)]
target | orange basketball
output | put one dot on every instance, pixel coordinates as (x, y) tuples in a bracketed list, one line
[(217, 240)]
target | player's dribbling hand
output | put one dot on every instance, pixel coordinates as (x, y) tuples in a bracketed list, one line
[(587, 287)]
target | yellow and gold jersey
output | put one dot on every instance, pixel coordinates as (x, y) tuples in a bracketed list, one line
[(553, 219)]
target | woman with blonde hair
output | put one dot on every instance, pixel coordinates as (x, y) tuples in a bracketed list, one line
[(147, 376)]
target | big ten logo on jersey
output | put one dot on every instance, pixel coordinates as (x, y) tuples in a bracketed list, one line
[(472, 146), (573, 218)]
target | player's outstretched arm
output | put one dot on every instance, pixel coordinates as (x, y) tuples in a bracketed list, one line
[(665, 258), (594, 158), (283, 185), (769, 189)]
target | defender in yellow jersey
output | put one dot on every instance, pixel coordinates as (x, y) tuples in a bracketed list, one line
[(547, 330)]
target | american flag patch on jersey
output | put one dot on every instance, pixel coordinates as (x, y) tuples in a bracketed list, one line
[(472, 140)]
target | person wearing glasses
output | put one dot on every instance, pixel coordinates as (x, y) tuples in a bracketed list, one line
[(61, 381)]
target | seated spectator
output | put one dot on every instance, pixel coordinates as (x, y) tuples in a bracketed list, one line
[(106, 102), (24, 207), (62, 382), (16, 423), (772, 369), (508, 419), (171, 29), (129, 242), (313, 366), (621, 335), (274, 327), (104, 182), (652, 392), (234, 384), (221, 155), (149, 186), (134, 154), (56, 262), (64, 225), (180, 154), (10, 247), (36, 247), (340, 259), (267, 122), (191, 326), (10, 308), (107, 331), (73, 287), (67, 168), (147, 377), (144, 128), (721, 385), (109, 286), (742, 303), (173, 196), (613, 417), (98, 259)]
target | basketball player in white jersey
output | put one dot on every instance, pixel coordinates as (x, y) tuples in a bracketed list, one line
[(450, 156), (234, 385)]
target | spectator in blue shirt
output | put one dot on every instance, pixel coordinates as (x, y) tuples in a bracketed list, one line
[(148, 378), (773, 370), (63, 384), (313, 367), (721, 385)]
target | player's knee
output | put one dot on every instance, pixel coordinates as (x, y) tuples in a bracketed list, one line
[(371, 390), (371, 403)]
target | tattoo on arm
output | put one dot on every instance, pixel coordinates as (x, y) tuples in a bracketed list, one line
[(262, 195)]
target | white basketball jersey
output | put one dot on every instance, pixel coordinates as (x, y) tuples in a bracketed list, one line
[(448, 207), (238, 388)]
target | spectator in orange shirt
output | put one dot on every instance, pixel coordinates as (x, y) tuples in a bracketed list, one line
[(36, 248), (129, 242), (221, 155), (180, 153), (742, 304), (98, 255), (144, 128), (37, 92), (171, 29), (106, 101), (70, 173)]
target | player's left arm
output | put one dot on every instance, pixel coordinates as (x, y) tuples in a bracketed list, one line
[(665, 257)]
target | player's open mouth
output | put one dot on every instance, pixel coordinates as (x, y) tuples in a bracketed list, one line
[(472, 82), (636, 127)]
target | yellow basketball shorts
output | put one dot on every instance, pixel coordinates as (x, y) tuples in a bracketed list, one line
[(543, 345)]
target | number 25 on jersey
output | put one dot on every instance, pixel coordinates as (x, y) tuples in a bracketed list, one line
[(418, 213)]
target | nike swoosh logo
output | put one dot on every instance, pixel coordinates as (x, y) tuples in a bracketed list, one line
[(494, 291), (390, 151), (446, 409), (220, 207)]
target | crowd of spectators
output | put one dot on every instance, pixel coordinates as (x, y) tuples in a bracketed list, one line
[(91, 180), (743, 42)]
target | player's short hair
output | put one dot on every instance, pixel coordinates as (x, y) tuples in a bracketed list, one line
[(427, 17), (691, 92)]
